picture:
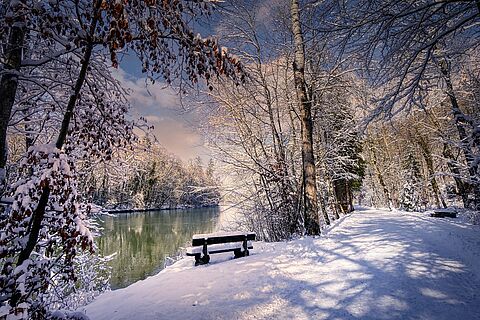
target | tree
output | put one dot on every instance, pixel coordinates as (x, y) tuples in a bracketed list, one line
[(46, 202), (155, 32), (410, 200), (312, 221), (406, 50), (12, 57), (253, 127)]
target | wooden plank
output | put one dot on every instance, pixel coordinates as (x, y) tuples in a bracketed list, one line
[(221, 234), (228, 245), (450, 214), (217, 239), (192, 254), (436, 215), (442, 213), (225, 250)]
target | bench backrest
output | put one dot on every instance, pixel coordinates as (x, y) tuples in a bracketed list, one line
[(200, 240)]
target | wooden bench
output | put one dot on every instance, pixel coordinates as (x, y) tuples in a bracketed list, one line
[(442, 213), (205, 244)]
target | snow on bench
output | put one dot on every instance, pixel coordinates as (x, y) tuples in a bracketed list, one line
[(210, 243), (442, 213)]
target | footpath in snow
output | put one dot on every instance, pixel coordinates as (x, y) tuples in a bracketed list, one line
[(372, 265)]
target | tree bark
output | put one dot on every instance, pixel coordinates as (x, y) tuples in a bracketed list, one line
[(427, 155), (462, 188), (67, 117), (312, 223), (343, 195), (460, 121), (337, 209), (9, 84), (37, 219), (386, 192)]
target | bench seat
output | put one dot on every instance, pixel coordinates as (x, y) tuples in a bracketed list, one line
[(442, 213), (218, 248), (205, 244)]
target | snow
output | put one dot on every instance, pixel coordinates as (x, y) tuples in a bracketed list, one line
[(43, 148), (220, 234), (371, 265)]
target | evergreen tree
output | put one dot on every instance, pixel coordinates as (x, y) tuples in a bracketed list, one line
[(410, 200)]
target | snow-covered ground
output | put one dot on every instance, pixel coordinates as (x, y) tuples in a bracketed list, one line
[(371, 265)]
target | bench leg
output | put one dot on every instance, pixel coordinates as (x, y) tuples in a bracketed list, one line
[(245, 248), (205, 259), (238, 253), (197, 259)]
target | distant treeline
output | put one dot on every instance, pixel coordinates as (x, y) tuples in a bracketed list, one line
[(153, 178)]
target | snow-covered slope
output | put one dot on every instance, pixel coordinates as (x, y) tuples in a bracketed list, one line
[(372, 265)]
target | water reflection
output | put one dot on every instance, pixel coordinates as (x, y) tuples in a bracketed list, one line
[(142, 241)]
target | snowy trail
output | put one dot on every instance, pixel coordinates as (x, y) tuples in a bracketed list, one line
[(372, 265)]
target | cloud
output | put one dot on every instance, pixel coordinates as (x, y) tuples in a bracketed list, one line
[(268, 9), (160, 106), (143, 96)]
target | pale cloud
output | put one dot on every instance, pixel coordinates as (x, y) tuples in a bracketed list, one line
[(266, 11), (147, 96), (160, 106), (153, 119)]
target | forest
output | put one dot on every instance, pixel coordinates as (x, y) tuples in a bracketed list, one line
[(149, 177), (307, 107), (390, 117)]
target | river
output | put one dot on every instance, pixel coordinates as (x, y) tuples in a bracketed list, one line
[(142, 241)]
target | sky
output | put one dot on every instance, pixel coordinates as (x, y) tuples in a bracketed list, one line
[(174, 127)]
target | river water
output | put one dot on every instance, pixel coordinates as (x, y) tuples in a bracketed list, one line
[(142, 241)]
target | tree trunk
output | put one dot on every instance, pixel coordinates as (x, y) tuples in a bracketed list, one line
[(9, 84), (386, 192), (350, 197), (336, 204), (427, 155), (67, 117), (37, 219), (312, 223), (340, 194), (462, 188), (343, 195), (460, 121)]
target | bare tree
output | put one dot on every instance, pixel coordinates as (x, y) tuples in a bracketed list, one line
[(312, 221)]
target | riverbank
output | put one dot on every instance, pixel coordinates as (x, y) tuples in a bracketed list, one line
[(371, 265), (115, 211)]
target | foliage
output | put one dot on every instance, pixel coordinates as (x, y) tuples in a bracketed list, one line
[(63, 231)]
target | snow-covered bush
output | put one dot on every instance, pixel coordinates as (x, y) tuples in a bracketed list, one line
[(41, 237), (473, 216), (93, 278)]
